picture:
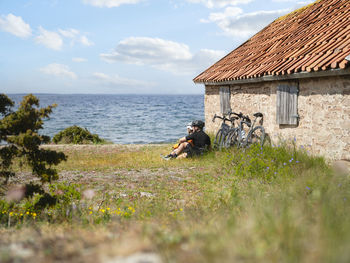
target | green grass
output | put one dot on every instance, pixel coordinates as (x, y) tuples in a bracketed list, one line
[(276, 204)]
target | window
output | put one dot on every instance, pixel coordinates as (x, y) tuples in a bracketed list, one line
[(287, 104), (225, 99)]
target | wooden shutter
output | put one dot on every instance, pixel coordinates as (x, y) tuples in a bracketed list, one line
[(287, 104), (225, 99)]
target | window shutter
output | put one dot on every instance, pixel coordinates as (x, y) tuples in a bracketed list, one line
[(287, 105), (225, 99)]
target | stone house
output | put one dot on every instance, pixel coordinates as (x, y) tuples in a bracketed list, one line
[(296, 72)]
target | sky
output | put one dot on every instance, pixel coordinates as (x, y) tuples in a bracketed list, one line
[(123, 46)]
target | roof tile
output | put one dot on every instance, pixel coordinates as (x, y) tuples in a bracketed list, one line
[(313, 38)]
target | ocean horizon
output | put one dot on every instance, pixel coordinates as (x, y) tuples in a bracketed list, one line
[(122, 118)]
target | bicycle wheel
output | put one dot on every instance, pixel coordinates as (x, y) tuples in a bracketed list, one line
[(231, 138), (257, 135), (218, 139)]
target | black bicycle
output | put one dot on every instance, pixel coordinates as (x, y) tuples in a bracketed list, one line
[(255, 134), (222, 133)]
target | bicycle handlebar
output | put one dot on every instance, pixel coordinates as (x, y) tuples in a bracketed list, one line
[(232, 119), (239, 115), (221, 118), (248, 123)]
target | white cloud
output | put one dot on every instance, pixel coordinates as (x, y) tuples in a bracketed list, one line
[(221, 17), (220, 3), (69, 33), (143, 50), (75, 36), (49, 39), (236, 23), (110, 3), (85, 41), (79, 60), (55, 40), (116, 80), (15, 25), (161, 54), (58, 70)]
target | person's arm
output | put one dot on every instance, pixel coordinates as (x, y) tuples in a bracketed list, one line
[(183, 139)]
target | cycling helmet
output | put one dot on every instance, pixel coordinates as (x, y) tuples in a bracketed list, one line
[(198, 123)]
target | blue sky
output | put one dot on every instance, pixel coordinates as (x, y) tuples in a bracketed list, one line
[(123, 46)]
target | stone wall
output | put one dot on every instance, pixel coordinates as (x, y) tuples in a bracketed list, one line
[(323, 108)]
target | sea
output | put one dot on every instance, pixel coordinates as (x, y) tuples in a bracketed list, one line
[(122, 119)]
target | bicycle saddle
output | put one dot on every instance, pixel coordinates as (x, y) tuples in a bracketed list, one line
[(258, 114)]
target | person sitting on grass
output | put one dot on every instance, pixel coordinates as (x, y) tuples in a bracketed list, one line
[(200, 140), (189, 131)]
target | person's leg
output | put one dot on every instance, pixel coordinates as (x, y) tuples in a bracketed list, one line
[(180, 149), (175, 153), (182, 156)]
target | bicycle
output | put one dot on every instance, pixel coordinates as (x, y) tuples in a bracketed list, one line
[(233, 128), (256, 134), (237, 136), (222, 133)]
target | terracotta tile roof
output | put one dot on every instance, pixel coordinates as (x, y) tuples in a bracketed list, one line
[(314, 38)]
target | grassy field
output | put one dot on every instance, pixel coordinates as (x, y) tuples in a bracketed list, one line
[(124, 203)]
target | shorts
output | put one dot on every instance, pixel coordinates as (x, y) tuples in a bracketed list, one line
[(193, 151)]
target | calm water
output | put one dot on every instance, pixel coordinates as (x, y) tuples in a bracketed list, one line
[(123, 119)]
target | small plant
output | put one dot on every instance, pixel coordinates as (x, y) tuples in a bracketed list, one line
[(76, 135), (267, 162)]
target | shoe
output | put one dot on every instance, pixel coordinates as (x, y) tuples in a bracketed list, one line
[(167, 157)]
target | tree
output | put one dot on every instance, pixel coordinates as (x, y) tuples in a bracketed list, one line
[(19, 131)]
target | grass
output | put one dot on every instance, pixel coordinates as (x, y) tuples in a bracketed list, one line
[(271, 204)]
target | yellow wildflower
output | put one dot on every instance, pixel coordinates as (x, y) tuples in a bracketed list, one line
[(131, 209)]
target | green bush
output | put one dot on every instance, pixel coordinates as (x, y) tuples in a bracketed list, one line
[(76, 135), (19, 129)]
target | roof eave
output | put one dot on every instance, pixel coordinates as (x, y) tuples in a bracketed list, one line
[(269, 78)]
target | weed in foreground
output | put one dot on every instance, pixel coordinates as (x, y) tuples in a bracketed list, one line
[(271, 204)]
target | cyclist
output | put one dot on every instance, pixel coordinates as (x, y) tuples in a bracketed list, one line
[(189, 131), (200, 140)]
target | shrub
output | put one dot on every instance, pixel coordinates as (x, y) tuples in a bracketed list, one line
[(20, 131), (76, 135)]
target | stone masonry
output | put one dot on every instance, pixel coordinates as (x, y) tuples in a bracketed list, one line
[(323, 108)]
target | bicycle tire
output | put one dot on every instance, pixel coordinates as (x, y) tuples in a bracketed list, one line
[(231, 138), (257, 135), (218, 138), (222, 140)]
